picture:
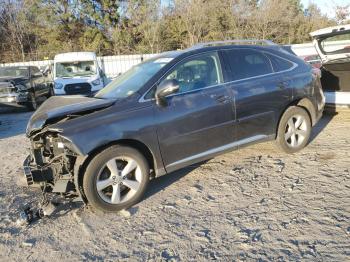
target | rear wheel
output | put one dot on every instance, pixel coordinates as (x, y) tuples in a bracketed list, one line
[(294, 130), (116, 178)]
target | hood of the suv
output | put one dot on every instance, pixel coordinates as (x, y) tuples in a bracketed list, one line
[(13, 79), (59, 107), (332, 43)]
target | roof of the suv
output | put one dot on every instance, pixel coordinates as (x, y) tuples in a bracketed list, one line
[(235, 42), (221, 45)]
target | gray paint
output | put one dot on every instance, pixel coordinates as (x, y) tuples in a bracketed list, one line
[(194, 126)]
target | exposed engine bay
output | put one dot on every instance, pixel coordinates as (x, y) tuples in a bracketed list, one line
[(54, 164)]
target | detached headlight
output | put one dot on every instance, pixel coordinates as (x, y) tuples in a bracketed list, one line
[(96, 82), (58, 86)]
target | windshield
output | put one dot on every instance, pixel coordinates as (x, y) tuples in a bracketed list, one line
[(338, 44), (133, 80), (14, 71), (72, 69)]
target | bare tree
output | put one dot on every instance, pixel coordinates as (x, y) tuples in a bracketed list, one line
[(14, 21), (342, 13), (146, 16)]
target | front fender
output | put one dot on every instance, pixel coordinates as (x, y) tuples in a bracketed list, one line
[(96, 130)]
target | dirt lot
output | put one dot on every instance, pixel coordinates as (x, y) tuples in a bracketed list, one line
[(256, 203)]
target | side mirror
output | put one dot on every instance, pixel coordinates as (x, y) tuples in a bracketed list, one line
[(166, 88), (45, 70)]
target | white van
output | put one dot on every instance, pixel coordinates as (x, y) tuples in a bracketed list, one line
[(77, 73)]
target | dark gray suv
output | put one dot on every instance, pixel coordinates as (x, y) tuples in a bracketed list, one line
[(169, 112)]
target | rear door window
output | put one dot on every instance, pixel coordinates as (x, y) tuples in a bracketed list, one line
[(247, 63)]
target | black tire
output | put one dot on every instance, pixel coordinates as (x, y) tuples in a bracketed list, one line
[(32, 104), (300, 135), (51, 92), (93, 172)]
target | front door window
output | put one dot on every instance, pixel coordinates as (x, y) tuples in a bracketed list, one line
[(197, 73)]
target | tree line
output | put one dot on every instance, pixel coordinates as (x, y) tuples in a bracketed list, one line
[(39, 29)]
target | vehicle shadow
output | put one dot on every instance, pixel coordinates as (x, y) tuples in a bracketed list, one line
[(322, 124), (13, 121), (62, 206), (160, 183)]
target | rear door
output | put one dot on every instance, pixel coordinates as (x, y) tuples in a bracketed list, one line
[(333, 43), (260, 92), (197, 122), (333, 46)]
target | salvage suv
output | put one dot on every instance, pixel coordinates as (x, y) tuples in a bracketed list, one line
[(23, 85), (167, 113)]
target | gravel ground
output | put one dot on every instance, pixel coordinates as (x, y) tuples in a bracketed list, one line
[(253, 204)]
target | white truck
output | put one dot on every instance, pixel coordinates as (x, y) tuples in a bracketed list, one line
[(77, 73)]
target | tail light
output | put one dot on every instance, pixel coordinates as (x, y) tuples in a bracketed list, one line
[(317, 72)]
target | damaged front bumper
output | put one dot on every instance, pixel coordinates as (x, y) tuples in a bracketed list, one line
[(34, 176), (12, 98), (50, 166), (45, 178)]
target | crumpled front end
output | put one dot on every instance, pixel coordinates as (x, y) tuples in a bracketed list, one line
[(11, 94), (54, 161), (51, 163)]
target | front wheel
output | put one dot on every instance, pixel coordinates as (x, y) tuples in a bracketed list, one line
[(116, 178), (32, 104), (294, 130), (51, 92)]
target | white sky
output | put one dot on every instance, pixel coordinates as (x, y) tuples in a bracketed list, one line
[(327, 6)]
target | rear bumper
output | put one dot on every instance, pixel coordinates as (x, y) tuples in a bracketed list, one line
[(337, 98)]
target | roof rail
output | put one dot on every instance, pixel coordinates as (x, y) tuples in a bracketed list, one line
[(231, 42)]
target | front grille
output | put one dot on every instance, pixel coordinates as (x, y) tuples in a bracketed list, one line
[(78, 89)]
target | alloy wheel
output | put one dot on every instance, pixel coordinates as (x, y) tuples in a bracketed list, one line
[(296, 131), (119, 180)]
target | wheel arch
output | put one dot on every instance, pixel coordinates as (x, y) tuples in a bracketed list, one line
[(310, 109), (138, 145), (304, 103)]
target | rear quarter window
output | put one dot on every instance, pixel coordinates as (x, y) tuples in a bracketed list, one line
[(279, 64)]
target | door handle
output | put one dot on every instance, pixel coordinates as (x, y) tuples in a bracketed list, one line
[(221, 98)]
